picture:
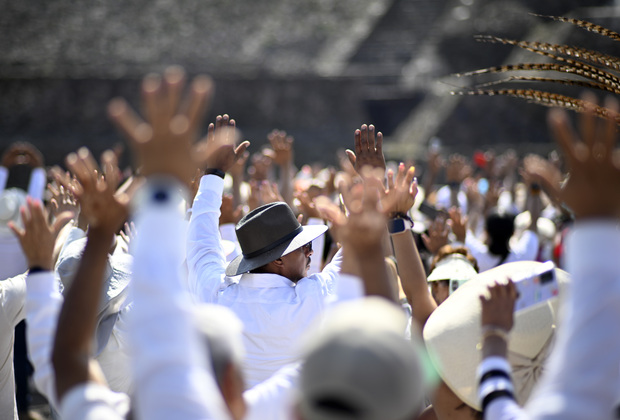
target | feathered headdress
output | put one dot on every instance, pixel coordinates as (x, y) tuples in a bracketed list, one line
[(589, 69)]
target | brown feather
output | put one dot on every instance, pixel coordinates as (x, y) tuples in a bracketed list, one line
[(588, 26), (568, 82)]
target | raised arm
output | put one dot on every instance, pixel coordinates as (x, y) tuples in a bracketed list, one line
[(43, 300), (410, 268), (173, 379), (73, 354), (205, 257)]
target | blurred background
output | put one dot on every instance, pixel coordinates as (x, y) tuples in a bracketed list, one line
[(315, 68)]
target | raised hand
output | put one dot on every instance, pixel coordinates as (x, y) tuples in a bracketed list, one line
[(458, 223), (457, 169), (307, 205), (164, 144), (37, 238), (498, 305), (437, 236), (99, 204), (400, 194), (368, 149), (62, 199), (591, 189), (281, 151), (228, 212)]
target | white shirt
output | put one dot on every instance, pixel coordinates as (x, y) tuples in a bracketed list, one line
[(92, 401), (12, 296), (275, 311), (173, 379), (582, 378), (524, 249)]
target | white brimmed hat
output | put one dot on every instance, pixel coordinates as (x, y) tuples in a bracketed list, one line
[(452, 335), (453, 267)]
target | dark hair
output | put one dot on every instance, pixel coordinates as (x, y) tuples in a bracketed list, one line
[(500, 227), (446, 250)]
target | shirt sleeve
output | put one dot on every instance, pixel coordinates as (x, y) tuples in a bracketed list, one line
[(43, 304), (582, 379), (172, 376), (12, 298), (274, 398), (205, 257)]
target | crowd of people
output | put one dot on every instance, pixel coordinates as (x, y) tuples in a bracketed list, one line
[(214, 281)]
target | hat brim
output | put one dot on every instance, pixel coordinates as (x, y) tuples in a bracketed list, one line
[(452, 333), (242, 265)]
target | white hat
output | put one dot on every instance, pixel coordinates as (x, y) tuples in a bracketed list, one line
[(361, 366), (452, 335), (10, 202), (453, 267)]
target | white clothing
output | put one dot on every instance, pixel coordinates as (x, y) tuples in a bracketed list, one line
[(12, 296), (111, 350), (43, 304), (582, 378), (274, 399), (525, 249), (173, 379), (12, 259), (274, 310), (92, 401)]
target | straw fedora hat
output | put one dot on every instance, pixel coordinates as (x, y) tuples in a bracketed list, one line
[(266, 234), (452, 334)]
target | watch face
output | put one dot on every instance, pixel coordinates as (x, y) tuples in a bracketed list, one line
[(396, 225)]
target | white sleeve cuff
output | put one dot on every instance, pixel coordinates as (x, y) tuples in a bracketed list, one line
[(41, 282)]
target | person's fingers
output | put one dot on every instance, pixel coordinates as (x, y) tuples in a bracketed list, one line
[(61, 220), (151, 100), (16, 230), (198, 99), (587, 122), (174, 80), (371, 138), (240, 151), (357, 142), (390, 179), (379, 143), (352, 157), (409, 175), (563, 135), (364, 138), (109, 163)]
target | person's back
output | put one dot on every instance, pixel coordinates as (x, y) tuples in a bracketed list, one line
[(273, 297)]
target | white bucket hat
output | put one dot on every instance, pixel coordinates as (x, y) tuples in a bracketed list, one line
[(452, 335), (456, 268)]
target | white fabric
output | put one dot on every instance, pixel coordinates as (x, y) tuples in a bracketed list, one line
[(12, 259), (114, 358), (37, 183), (227, 231), (318, 246), (91, 401), (274, 310), (525, 249), (582, 380), (4, 177), (12, 296), (173, 379), (43, 304), (273, 399)]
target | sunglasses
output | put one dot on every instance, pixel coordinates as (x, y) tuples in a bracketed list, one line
[(307, 248)]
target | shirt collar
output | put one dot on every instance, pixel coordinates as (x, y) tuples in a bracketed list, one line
[(265, 280)]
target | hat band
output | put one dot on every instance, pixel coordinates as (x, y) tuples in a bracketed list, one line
[(274, 244)]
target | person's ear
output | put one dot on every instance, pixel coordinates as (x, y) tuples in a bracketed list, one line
[(278, 262)]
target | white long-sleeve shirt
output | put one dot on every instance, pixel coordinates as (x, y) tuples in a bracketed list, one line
[(172, 375), (582, 379), (12, 296), (274, 310)]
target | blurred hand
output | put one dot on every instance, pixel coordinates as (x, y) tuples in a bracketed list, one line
[(498, 306), (281, 151), (37, 238), (400, 194)]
